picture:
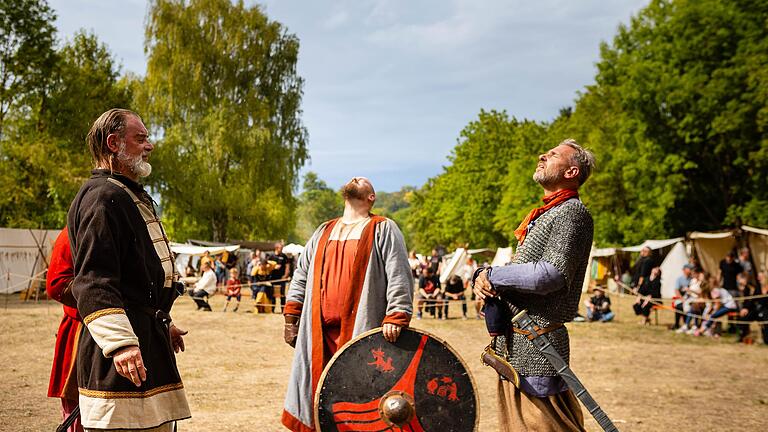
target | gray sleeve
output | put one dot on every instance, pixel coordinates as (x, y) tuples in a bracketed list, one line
[(538, 277), (398, 271), (299, 281)]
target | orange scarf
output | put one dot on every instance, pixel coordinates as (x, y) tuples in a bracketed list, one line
[(551, 200)]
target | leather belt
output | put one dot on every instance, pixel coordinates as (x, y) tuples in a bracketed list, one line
[(539, 331), (161, 316)]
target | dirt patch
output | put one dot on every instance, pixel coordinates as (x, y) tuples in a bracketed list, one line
[(236, 367)]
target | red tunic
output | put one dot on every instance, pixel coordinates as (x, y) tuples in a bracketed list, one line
[(63, 383)]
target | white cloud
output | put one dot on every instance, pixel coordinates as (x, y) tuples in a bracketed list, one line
[(336, 20)]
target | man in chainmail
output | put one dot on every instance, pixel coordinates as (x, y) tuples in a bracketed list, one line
[(545, 277)]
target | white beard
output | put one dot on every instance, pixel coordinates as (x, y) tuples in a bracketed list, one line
[(135, 164)]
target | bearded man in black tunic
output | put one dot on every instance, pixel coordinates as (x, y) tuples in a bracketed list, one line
[(125, 286)]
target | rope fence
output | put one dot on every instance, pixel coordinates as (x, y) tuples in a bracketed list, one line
[(659, 303)]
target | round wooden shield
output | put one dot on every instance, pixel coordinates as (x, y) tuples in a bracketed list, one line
[(419, 383)]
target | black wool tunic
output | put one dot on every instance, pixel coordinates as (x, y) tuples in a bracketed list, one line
[(119, 281)]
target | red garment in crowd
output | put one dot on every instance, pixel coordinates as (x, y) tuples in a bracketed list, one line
[(233, 287), (63, 383)]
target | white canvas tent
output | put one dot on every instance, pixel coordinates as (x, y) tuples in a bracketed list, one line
[(24, 253), (503, 256), (454, 265), (185, 251), (757, 239), (293, 249), (711, 247), (671, 267)]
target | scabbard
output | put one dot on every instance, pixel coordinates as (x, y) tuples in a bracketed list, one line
[(501, 366), (543, 344)]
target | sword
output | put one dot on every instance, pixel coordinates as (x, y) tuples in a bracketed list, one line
[(542, 343)]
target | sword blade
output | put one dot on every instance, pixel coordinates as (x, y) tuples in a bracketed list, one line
[(543, 344)]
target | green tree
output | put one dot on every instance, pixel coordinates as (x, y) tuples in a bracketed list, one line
[(460, 206), (27, 55), (45, 159), (678, 118), (317, 204), (223, 94)]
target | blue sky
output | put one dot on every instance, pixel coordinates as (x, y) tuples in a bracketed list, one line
[(391, 83)]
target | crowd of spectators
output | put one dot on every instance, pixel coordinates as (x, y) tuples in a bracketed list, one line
[(701, 302), (433, 296), (266, 277)]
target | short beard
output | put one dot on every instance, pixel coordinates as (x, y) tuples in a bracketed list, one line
[(546, 179), (135, 164), (353, 191)]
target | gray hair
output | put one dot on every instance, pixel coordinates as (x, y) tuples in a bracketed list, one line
[(583, 159)]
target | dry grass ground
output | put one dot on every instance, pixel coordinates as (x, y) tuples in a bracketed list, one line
[(236, 367)]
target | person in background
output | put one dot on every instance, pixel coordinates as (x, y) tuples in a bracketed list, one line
[(454, 290), (434, 262), (746, 264), (205, 287), (233, 289), (415, 264), (206, 258), (280, 273), (261, 288), (729, 269), (469, 272), (643, 268), (429, 294), (63, 382), (691, 304), (598, 306), (649, 290), (220, 270), (722, 303), (681, 288), (755, 310)]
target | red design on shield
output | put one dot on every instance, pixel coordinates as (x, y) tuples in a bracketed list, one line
[(443, 387), (379, 362)]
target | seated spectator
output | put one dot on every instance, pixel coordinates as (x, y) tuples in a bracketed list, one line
[(691, 305), (755, 310), (429, 293), (599, 306), (205, 287), (681, 288), (722, 303), (233, 289), (261, 288), (649, 290), (454, 290)]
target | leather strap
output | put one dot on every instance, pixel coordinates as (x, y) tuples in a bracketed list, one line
[(539, 331)]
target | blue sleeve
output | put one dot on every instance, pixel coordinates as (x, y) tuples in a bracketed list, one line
[(538, 277)]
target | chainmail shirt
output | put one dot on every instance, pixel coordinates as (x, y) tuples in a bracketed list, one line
[(561, 237)]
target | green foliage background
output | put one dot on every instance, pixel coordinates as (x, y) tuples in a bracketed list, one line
[(677, 118)]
